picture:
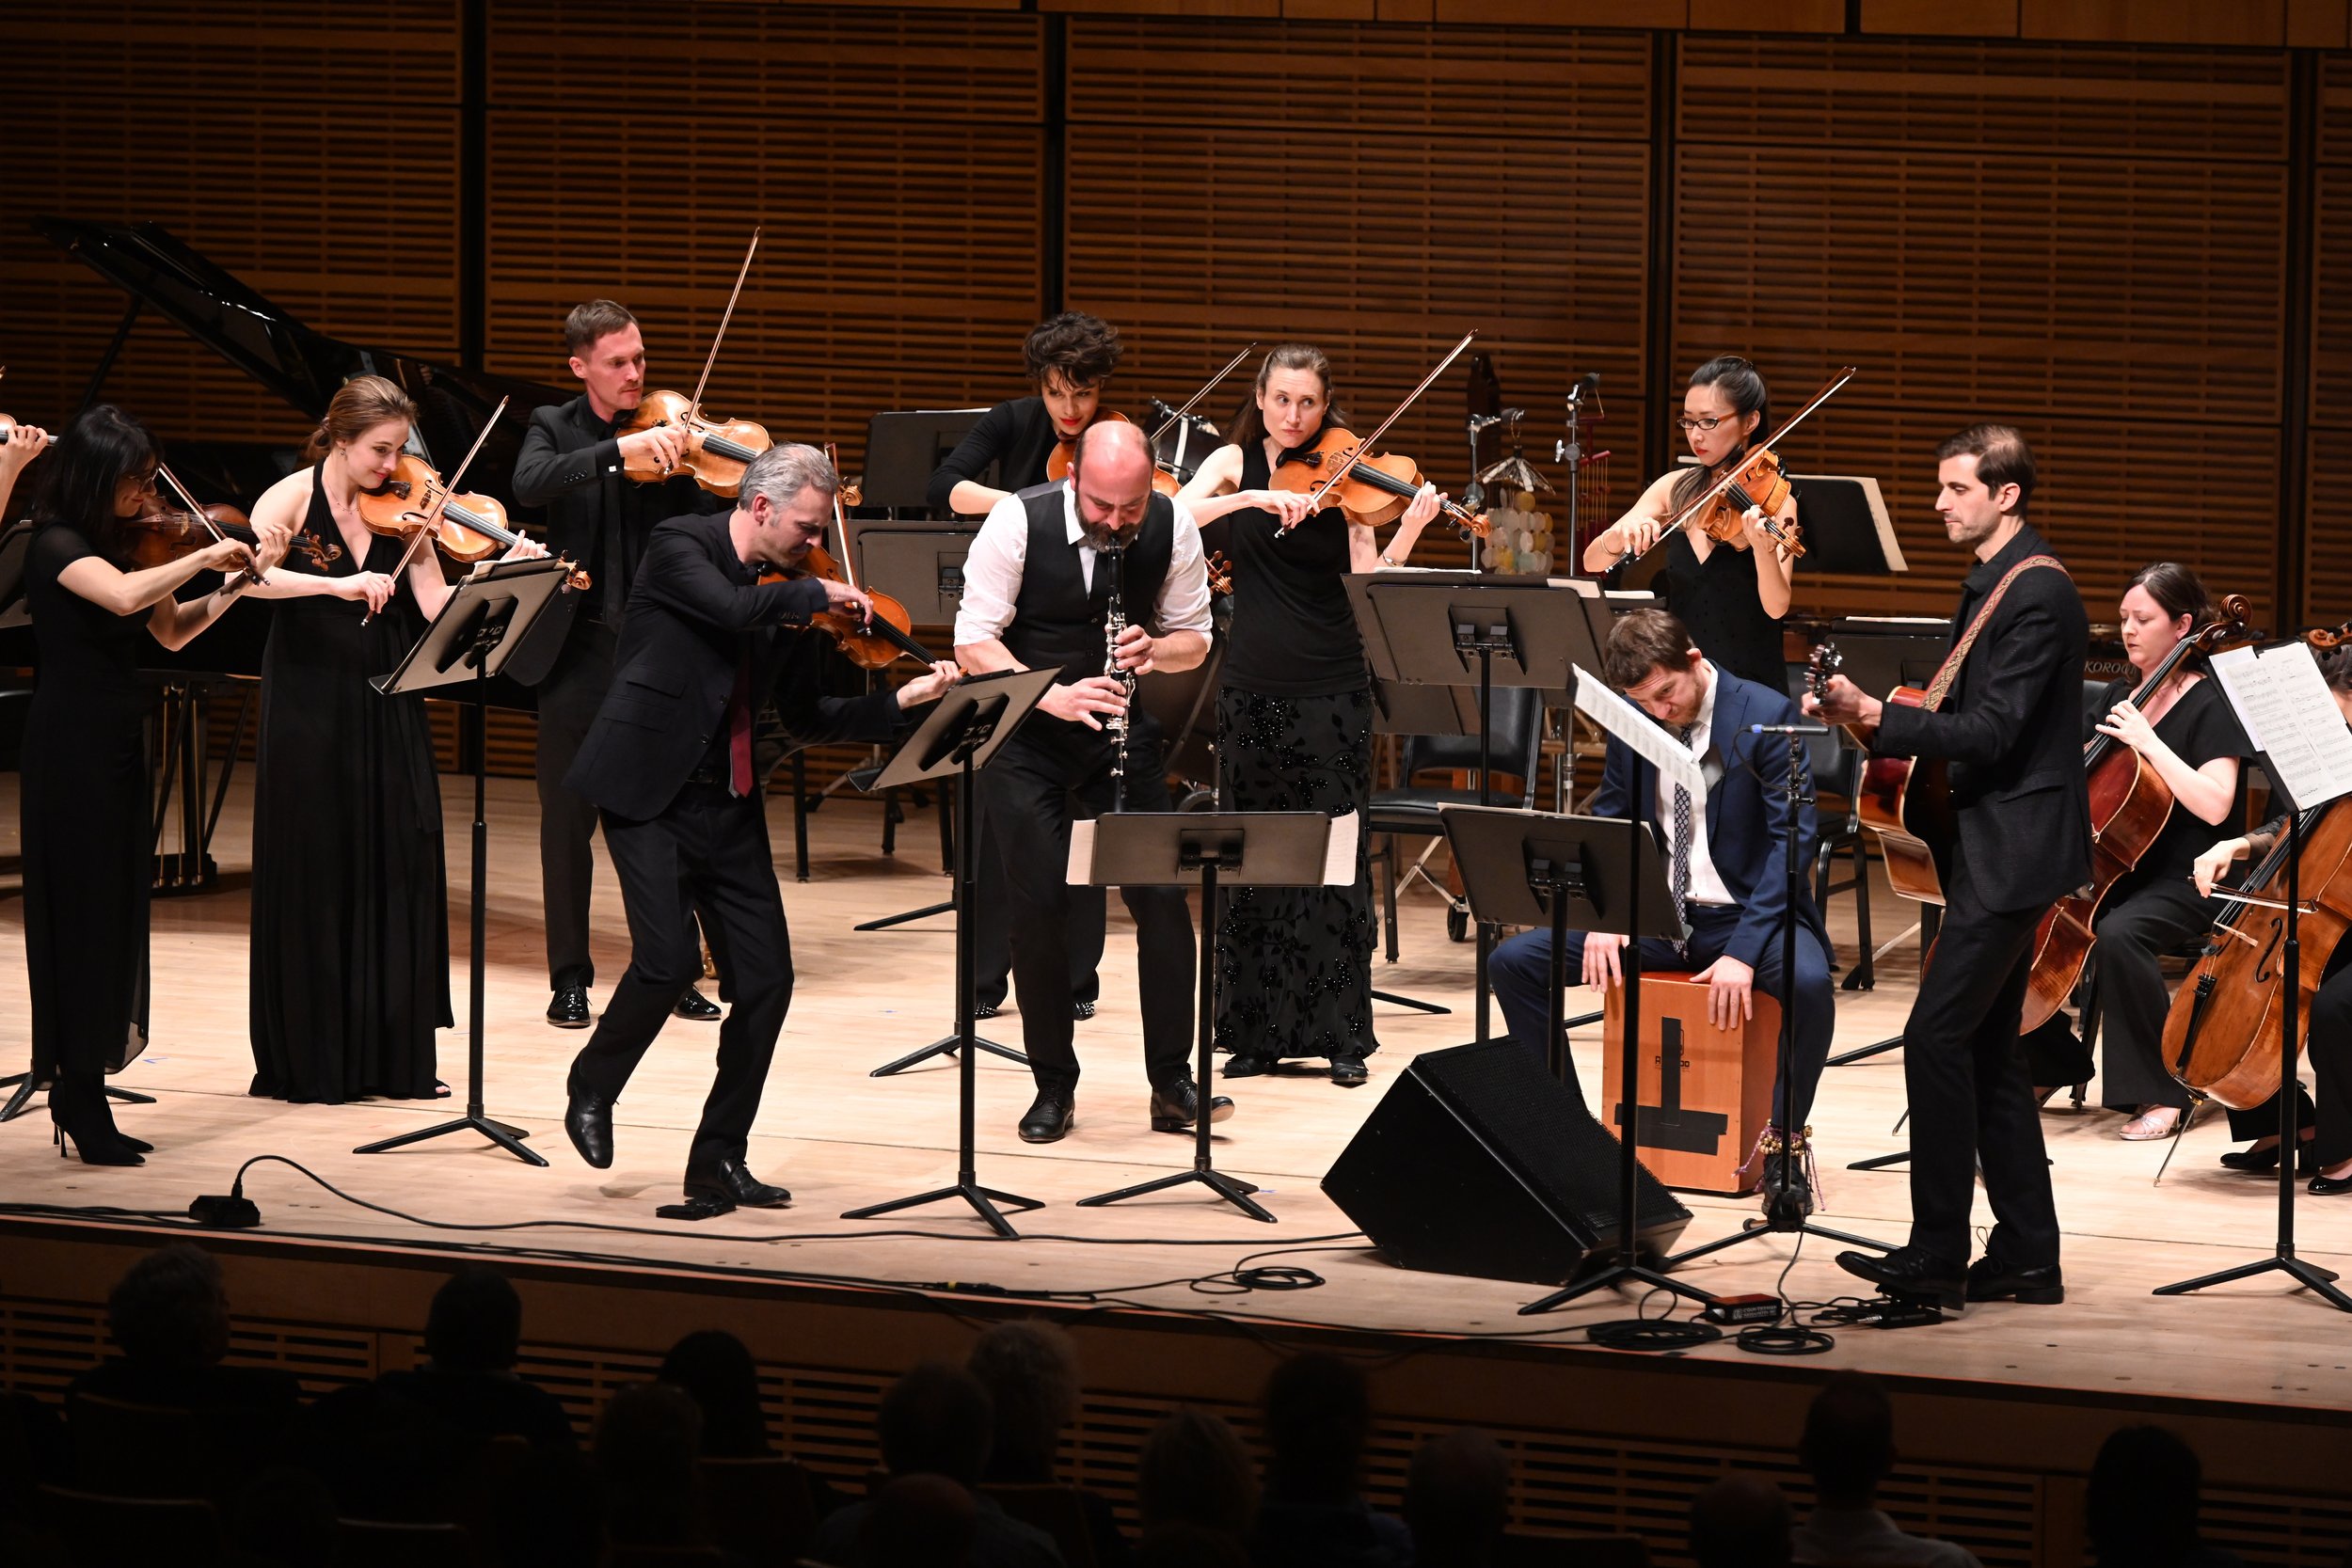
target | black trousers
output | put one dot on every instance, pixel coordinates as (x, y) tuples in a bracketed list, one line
[(1051, 770), (709, 850), (2139, 923), (1970, 1096), (568, 699), (2330, 1043), (992, 941)]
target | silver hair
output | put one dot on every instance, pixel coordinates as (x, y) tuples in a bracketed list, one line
[(783, 471)]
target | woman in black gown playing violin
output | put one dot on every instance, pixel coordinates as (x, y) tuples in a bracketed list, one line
[(350, 964), (1731, 597), (86, 831), (1294, 724)]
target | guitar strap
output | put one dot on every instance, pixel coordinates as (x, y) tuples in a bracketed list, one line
[(1949, 671)]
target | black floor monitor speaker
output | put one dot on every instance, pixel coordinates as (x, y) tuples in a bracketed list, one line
[(1478, 1162)]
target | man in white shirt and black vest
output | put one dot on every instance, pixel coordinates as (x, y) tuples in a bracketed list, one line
[(1037, 593)]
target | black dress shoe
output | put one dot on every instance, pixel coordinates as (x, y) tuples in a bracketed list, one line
[(987, 1009), (1081, 1011), (1912, 1274), (1990, 1279), (569, 1010), (1348, 1071), (1248, 1064), (1796, 1190), (697, 1006), (2260, 1162), (1175, 1105), (588, 1122), (2329, 1186), (1048, 1118), (729, 1186)]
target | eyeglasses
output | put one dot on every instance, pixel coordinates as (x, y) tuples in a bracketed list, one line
[(1687, 424)]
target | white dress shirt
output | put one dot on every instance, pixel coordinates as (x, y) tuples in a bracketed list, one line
[(991, 573), (1707, 883)]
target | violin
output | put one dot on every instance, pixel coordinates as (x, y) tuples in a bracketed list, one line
[(1756, 485), (1058, 461), (869, 644), (716, 451), (2130, 804), (1220, 572), (1371, 488), (163, 534), (466, 527)]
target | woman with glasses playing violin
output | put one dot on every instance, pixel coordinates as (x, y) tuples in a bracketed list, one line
[(350, 953), (86, 832), (1731, 595)]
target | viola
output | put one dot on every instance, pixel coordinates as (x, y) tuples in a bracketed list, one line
[(466, 527), (1371, 488), (716, 451), (1058, 461), (1757, 485), (869, 643), (2130, 804)]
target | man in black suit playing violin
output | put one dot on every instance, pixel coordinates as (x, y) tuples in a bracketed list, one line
[(572, 464), (668, 764), (2005, 712)]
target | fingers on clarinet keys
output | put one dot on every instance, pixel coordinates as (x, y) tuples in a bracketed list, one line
[(695, 1005), (1177, 1103), (729, 1185), (588, 1122), (1048, 1118), (569, 1009)]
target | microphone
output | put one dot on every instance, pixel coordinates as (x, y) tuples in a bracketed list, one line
[(1789, 729)]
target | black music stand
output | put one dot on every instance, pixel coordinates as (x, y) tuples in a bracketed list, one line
[(1592, 874), (1261, 848), (1473, 629), (2302, 725), (963, 734), (905, 447), (488, 617)]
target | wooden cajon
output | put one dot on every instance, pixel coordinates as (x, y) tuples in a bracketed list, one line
[(1700, 1121)]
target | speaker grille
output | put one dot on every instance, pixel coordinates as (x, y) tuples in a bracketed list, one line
[(1546, 1138)]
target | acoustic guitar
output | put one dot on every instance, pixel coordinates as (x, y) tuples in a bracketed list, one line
[(1906, 802)]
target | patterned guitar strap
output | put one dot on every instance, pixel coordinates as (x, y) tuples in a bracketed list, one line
[(1949, 671)]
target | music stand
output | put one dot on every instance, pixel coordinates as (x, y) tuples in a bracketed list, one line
[(905, 447), (1260, 849), (486, 618), (1596, 874), (1846, 526), (961, 735), (2303, 745), (1469, 629)]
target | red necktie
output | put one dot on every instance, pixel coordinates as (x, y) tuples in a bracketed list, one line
[(739, 729)]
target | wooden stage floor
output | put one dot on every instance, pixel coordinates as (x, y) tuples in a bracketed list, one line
[(839, 1139)]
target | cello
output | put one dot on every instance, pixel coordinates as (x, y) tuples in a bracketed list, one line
[(2130, 805)]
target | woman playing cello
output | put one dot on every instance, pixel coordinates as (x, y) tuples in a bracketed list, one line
[(1731, 597), (2185, 731), (2327, 1127)]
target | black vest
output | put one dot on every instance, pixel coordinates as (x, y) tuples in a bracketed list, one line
[(1057, 620)]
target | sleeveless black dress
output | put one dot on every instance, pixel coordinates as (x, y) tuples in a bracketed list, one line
[(350, 964), (1717, 599), (85, 820), (1294, 733)]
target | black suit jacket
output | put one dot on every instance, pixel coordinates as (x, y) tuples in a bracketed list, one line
[(694, 610), (570, 467), (2012, 729)]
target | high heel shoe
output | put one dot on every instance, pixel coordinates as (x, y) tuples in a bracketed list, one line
[(2257, 1161), (79, 1113)]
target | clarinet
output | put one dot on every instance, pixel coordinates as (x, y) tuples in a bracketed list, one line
[(1113, 625)]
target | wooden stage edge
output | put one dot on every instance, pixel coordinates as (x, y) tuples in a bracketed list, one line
[(2000, 1411)]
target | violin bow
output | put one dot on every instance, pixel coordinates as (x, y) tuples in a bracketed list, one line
[(440, 500), (248, 574), (694, 407), (1314, 501), (1210, 386), (1716, 489), (840, 516)]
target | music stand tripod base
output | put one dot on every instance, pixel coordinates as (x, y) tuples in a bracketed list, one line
[(21, 1083), (946, 1045)]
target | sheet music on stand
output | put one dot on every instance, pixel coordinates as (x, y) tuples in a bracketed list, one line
[(2282, 702), (1597, 700)]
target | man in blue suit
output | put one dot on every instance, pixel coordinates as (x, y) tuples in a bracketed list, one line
[(1730, 876)]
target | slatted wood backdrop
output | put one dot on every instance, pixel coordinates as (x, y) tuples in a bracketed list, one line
[(2103, 242)]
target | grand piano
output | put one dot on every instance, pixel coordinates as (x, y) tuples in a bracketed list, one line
[(160, 275)]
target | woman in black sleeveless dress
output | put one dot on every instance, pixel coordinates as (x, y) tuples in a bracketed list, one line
[(86, 823), (1732, 599), (1294, 725), (350, 962)]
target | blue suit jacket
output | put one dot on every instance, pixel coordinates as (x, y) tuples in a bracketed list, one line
[(1747, 816)]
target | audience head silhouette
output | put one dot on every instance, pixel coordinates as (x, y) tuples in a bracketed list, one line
[(1030, 1371), (1848, 1441), (935, 1422), (1194, 1471), (476, 1324), (171, 1310), (715, 1371), (2143, 1500), (645, 1449), (1740, 1522), (1457, 1498), (918, 1521), (1319, 1414)]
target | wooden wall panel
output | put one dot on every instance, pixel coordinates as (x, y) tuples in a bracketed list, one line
[(312, 152), (2328, 580), (895, 158), (1406, 200), (2122, 305)]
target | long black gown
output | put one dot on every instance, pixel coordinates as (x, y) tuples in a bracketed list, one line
[(85, 821), (350, 967)]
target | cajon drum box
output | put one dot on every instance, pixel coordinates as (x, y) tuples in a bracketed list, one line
[(1706, 1093)]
